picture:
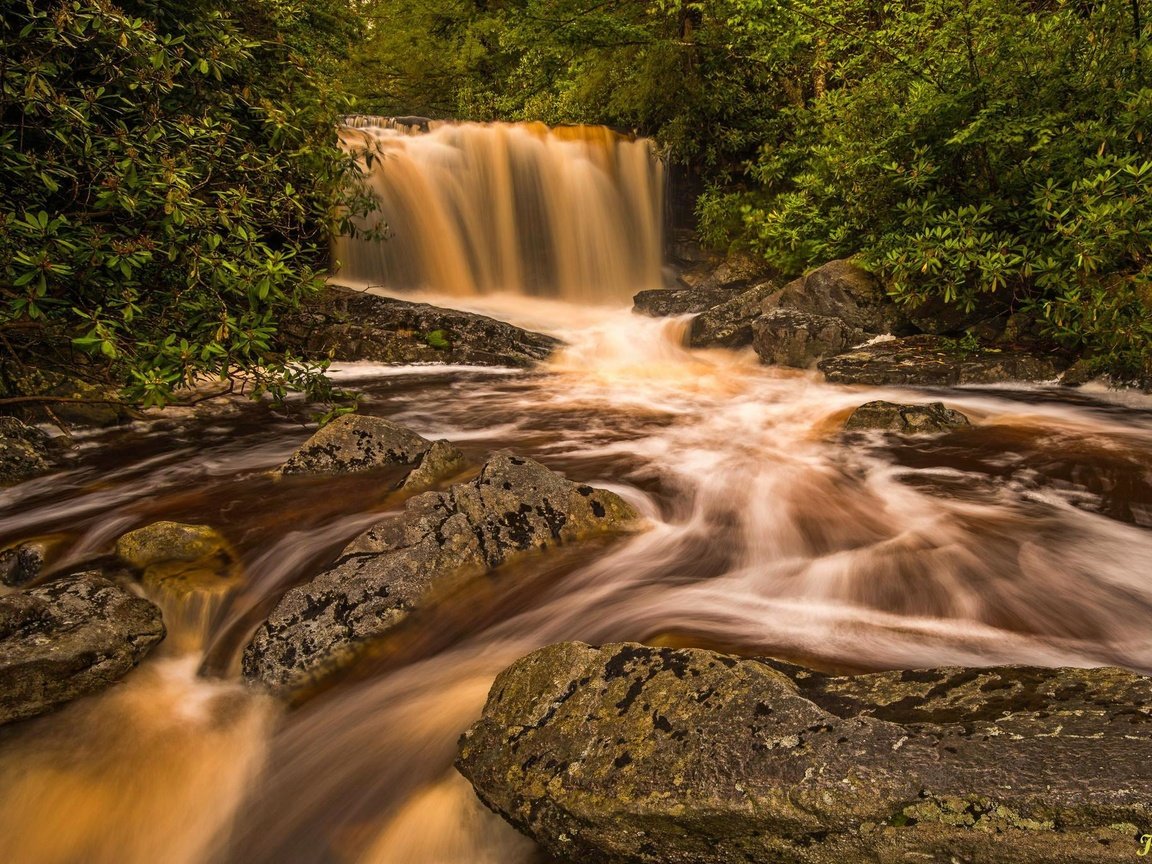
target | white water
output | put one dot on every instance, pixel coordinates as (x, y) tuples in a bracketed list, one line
[(768, 535)]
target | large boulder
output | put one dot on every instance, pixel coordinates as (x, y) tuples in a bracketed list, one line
[(666, 302), (737, 270), (180, 559), (514, 507), (841, 289), (25, 451), (905, 419), (626, 754), (729, 325), (82, 402), (937, 362), (353, 325), (785, 337), (70, 638)]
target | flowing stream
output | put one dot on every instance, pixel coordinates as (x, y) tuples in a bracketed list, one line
[(1022, 540)]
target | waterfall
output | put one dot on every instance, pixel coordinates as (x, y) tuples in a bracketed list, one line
[(574, 213)]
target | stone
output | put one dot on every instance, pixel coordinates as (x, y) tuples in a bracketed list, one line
[(514, 507), (736, 270), (785, 337), (356, 442), (907, 419), (70, 638), (844, 290), (25, 452), (163, 542), (666, 302), (729, 325), (628, 754), (935, 361), (439, 462), (23, 562), (96, 404), (940, 318), (347, 325)]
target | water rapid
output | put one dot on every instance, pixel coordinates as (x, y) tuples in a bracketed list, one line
[(1022, 540)]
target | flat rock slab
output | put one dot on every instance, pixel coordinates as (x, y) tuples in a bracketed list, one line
[(356, 443), (353, 325), (627, 753), (934, 361), (67, 639), (906, 419), (514, 507), (666, 302)]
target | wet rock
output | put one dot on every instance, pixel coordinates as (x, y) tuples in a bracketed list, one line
[(665, 302), (786, 337), (162, 542), (97, 405), (841, 289), (22, 563), (67, 639), (356, 443), (25, 452), (729, 325), (514, 507), (439, 462), (352, 325), (939, 318), (935, 361), (906, 419), (628, 753)]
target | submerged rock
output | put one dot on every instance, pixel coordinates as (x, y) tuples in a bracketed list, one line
[(178, 559), (628, 753), (67, 639), (170, 541), (786, 337), (729, 325), (908, 419), (514, 507), (935, 361), (23, 562), (25, 451), (353, 325)]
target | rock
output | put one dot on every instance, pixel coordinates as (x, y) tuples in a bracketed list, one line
[(515, 506), (907, 419), (355, 442), (162, 542), (352, 325), (441, 461), (22, 563), (841, 289), (101, 410), (70, 638), (665, 302), (25, 452), (633, 754), (938, 318), (786, 337), (935, 361), (736, 270), (729, 325)]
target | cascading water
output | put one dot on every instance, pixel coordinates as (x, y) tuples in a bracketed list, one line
[(469, 208), (1025, 539)]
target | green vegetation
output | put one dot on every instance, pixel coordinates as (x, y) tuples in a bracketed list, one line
[(168, 172), (986, 153)]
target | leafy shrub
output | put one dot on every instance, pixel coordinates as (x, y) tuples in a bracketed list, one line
[(169, 173)]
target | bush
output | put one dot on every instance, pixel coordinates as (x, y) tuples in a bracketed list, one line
[(169, 173)]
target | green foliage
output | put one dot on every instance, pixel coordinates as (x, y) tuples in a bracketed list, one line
[(438, 339), (168, 174)]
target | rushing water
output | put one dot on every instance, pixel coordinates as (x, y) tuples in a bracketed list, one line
[(1022, 540), (470, 208), (1025, 539)]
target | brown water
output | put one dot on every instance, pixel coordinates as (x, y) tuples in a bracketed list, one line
[(471, 208), (1025, 539)]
